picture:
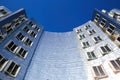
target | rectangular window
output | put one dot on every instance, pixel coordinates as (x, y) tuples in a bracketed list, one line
[(103, 22), (33, 34), (26, 29), (87, 27), (91, 55), (36, 28), (78, 31), (99, 72), (85, 44), (97, 17), (22, 18), (30, 23), (91, 32), (82, 36), (11, 46), (16, 22), (3, 62), (20, 37), (3, 11), (105, 49), (12, 69), (21, 52), (115, 65), (97, 39), (8, 27), (28, 42), (111, 29)]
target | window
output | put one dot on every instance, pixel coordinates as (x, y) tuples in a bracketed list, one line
[(82, 36), (85, 44), (12, 69), (78, 31), (105, 49), (22, 52), (33, 34), (115, 65), (97, 39), (111, 29), (22, 18), (3, 62), (36, 28), (30, 23), (99, 72), (87, 27), (8, 27), (11, 46), (91, 32), (16, 22), (103, 22), (118, 39), (3, 11), (91, 55), (26, 29), (28, 42), (97, 17), (20, 37)]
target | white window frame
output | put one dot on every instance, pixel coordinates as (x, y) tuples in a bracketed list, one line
[(85, 44), (110, 29), (81, 36), (19, 35), (26, 30), (29, 43), (102, 23), (100, 74), (97, 39), (3, 63), (90, 55), (20, 54), (91, 32), (106, 48), (12, 70), (115, 65), (32, 35), (13, 45)]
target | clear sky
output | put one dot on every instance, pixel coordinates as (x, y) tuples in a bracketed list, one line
[(60, 15)]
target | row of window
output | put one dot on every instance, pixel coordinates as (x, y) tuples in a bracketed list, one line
[(104, 50), (24, 39), (86, 44), (34, 26), (10, 26), (17, 50), (110, 29), (9, 67), (30, 32), (99, 71)]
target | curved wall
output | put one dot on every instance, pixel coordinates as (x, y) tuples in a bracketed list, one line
[(57, 58)]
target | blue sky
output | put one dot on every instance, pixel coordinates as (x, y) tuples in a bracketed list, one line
[(60, 15)]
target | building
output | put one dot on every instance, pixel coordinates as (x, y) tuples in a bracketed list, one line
[(89, 52)]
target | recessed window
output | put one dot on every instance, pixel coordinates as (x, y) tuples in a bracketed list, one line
[(11, 46), (87, 27), (111, 29), (36, 28), (81, 36), (33, 34), (91, 55), (78, 31), (30, 23), (3, 11), (12, 69), (97, 39), (8, 27), (20, 37), (21, 52), (115, 65), (28, 42), (91, 32), (103, 22), (97, 17), (85, 44), (105, 49), (22, 18), (118, 39), (26, 29), (3, 62), (99, 72), (16, 22)]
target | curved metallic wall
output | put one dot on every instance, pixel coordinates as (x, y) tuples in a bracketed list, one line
[(57, 58)]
